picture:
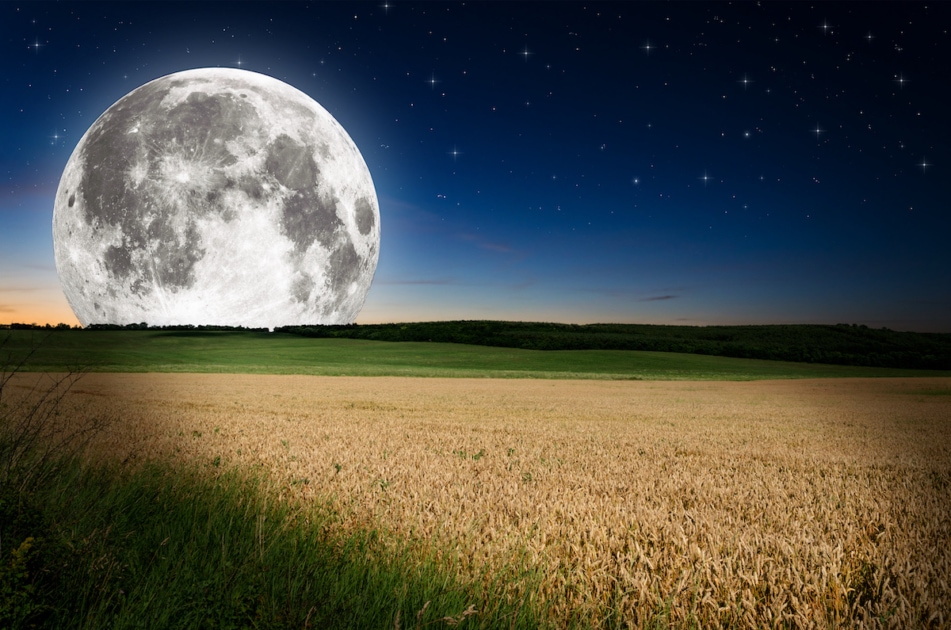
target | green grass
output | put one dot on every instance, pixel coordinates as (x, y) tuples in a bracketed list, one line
[(169, 545), (184, 548), (276, 353)]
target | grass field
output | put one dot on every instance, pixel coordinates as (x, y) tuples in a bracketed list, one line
[(271, 353), (796, 503), (271, 480)]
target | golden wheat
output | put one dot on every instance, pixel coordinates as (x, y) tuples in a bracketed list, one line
[(811, 503)]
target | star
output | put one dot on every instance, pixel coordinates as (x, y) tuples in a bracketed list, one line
[(525, 53), (818, 131), (869, 37), (239, 62), (647, 48), (924, 165), (432, 82), (705, 178), (455, 153), (386, 6), (745, 81), (901, 80), (825, 26), (36, 45)]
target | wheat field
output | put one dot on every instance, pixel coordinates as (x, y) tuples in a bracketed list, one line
[(796, 503)]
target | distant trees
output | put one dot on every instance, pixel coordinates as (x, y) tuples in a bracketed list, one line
[(176, 327), (34, 326), (135, 326), (841, 344)]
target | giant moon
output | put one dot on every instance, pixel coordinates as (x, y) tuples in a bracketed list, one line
[(216, 196)]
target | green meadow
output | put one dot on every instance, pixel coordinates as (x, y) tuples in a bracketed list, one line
[(281, 353)]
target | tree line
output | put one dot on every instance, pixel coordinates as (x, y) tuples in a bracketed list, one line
[(842, 344), (176, 327)]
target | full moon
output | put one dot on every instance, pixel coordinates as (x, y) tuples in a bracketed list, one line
[(216, 196)]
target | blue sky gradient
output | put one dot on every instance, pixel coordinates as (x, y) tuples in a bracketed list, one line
[(681, 163)]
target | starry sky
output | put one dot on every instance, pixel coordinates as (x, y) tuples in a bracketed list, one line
[(670, 163)]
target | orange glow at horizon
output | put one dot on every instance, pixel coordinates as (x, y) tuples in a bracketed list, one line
[(40, 306)]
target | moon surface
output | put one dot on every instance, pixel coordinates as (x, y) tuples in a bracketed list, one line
[(216, 196)]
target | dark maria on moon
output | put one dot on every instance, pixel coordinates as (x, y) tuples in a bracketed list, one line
[(216, 196)]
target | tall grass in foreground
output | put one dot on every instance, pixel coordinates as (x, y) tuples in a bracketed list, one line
[(34, 439), (163, 548), (183, 546)]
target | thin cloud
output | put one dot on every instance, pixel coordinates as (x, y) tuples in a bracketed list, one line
[(929, 302), (19, 289), (414, 218), (410, 216), (496, 247), (658, 298), (484, 244), (525, 284), (422, 281)]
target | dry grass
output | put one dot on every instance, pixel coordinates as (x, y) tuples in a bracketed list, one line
[(757, 504)]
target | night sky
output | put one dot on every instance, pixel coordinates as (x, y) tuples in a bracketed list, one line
[(671, 163)]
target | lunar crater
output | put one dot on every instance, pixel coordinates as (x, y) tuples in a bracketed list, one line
[(216, 196)]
